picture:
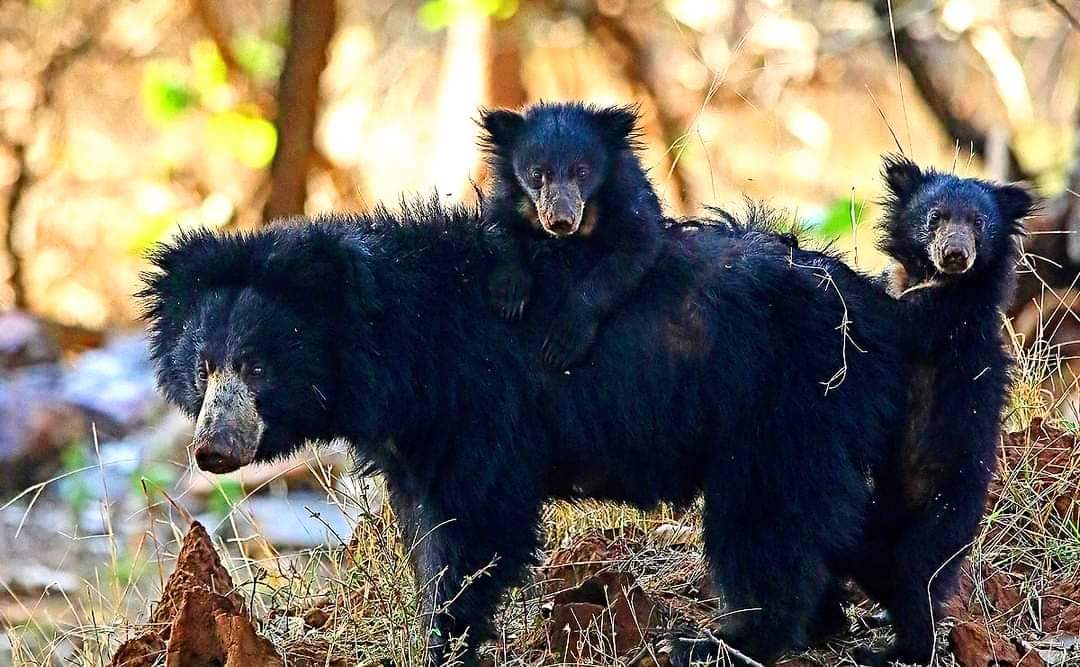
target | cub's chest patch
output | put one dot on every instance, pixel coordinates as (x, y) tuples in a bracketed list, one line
[(589, 220), (897, 279)]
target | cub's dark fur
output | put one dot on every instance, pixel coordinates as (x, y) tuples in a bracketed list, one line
[(954, 244), (569, 171), (718, 377)]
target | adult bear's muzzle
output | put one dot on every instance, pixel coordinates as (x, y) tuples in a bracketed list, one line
[(229, 427)]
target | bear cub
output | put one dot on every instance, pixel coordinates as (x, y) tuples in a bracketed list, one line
[(954, 245), (569, 171)]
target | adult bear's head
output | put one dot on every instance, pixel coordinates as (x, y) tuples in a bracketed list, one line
[(246, 334)]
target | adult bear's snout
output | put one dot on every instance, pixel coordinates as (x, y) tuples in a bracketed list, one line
[(229, 428)]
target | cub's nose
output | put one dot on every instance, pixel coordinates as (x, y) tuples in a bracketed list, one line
[(562, 226), (955, 259)]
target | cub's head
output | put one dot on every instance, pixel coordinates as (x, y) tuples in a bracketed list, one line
[(942, 227), (243, 339), (554, 158)]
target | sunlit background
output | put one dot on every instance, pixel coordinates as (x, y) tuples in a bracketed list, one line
[(122, 122)]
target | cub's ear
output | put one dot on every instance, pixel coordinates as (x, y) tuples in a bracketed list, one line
[(619, 125), (1014, 201), (503, 127), (902, 177)]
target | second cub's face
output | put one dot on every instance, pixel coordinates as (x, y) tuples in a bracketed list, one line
[(949, 224), (953, 231), (557, 157), (559, 181)]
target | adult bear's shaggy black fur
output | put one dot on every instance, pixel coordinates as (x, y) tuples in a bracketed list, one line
[(954, 245), (761, 375), (569, 170)]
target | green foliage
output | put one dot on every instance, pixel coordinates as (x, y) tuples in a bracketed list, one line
[(839, 219), (171, 88), (128, 568), (151, 229), (435, 15), (74, 489), (229, 493), (166, 92), (260, 58), (250, 138), (210, 75), (153, 476)]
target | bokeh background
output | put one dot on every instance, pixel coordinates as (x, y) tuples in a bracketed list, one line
[(125, 121), (121, 122)]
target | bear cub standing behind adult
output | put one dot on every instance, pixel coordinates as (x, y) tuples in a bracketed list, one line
[(954, 245), (569, 171)]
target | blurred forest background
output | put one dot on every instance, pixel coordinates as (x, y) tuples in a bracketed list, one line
[(121, 122), (124, 121)]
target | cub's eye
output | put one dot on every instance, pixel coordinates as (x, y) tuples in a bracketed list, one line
[(581, 171), (536, 177), (935, 215), (980, 220), (256, 370)]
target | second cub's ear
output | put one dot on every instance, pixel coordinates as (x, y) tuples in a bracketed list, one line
[(502, 126), (902, 176), (1014, 201), (619, 125)]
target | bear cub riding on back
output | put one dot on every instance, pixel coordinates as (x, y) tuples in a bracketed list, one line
[(569, 171)]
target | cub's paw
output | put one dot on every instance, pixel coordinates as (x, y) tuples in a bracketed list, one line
[(569, 339), (509, 287)]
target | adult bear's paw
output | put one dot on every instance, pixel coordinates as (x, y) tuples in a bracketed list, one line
[(691, 649), (868, 657), (570, 337), (509, 286)]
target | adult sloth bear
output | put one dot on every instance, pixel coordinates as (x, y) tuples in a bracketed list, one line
[(763, 376)]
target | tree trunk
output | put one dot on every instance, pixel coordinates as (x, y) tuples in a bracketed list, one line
[(311, 26)]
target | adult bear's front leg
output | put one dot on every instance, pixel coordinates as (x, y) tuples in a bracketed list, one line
[(462, 562)]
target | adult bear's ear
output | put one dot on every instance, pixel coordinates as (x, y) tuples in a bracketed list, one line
[(902, 178), (1015, 202), (619, 125), (501, 126)]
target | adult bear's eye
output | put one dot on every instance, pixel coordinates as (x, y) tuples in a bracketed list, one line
[(935, 215), (581, 171)]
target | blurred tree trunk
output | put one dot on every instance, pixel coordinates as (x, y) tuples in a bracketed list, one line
[(937, 73), (14, 197), (506, 87), (1052, 247), (505, 83), (638, 69), (311, 27)]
